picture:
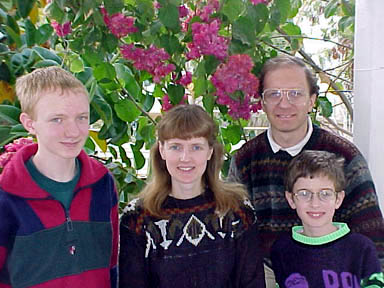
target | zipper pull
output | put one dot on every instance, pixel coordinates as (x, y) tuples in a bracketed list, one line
[(69, 224)]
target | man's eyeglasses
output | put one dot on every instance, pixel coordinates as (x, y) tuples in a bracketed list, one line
[(273, 96), (325, 195)]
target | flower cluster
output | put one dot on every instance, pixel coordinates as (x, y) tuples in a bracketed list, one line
[(167, 104), (119, 24), (150, 60), (185, 80), (62, 30), (208, 10), (183, 11), (206, 41), (236, 86), (12, 148)]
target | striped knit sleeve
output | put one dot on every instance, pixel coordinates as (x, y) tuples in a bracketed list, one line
[(5, 236)]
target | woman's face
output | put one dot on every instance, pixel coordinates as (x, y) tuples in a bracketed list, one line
[(186, 160)]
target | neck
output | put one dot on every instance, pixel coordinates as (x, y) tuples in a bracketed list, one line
[(321, 231), (186, 191), (288, 139), (61, 170)]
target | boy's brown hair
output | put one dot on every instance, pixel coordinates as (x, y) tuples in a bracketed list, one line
[(311, 163), (29, 87)]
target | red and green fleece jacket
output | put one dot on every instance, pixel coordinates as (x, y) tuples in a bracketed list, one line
[(44, 245)]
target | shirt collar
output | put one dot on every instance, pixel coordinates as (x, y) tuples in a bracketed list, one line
[(293, 150)]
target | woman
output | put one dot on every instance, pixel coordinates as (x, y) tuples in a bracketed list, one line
[(188, 228)]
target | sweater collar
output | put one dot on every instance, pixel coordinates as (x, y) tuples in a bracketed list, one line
[(342, 229), (293, 150)]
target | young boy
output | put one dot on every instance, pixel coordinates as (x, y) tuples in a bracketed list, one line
[(322, 253), (58, 207)]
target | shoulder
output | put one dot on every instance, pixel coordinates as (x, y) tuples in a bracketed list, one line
[(282, 243), (133, 216), (259, 144), (360, 240), (246, 214)]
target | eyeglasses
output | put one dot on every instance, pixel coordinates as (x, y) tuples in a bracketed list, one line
[(273, 96), (325, 195)]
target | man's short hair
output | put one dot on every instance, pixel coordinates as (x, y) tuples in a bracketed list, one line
[(315, 163), (30, 86), (286, 60)]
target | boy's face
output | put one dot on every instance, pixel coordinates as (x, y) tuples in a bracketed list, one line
[(315, 214), (60, 123)]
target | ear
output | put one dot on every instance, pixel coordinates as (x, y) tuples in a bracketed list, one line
[(161, 150), (312, 100), (339, 199), (28, 123), (289, 197)]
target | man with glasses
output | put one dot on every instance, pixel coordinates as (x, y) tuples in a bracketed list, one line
[(289, 92), (320, 252)]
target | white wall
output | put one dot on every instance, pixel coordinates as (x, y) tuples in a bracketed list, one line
[(369, 88)]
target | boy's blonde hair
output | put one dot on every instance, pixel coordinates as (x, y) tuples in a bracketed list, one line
[(29, 87)]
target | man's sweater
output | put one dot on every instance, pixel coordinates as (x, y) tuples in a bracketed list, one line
[(262, 171)]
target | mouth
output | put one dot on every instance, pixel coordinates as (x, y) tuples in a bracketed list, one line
[(185, 169), (315, 214), (285, 116)]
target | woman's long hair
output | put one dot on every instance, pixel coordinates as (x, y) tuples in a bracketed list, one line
[(186, 122)]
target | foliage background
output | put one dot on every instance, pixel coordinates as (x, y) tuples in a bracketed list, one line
[(123, 95)]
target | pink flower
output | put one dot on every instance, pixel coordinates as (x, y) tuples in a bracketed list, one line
[(183, 11), (119, 24), (62, 30), (151, 60), (208, 10), (236, 86), (206, 41), (12, 148), (167, 105), (185, 80)]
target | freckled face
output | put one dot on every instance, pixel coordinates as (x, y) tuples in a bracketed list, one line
[(186, 160), (60, 124)]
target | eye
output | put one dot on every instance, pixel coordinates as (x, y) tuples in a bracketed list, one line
[(57, 120), (326, 193), (273, 94), (83, 118), (197, 148), (303, 193), (174, 147)]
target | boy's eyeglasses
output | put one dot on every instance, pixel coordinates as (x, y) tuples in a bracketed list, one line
[(325, 195), (273, 96)]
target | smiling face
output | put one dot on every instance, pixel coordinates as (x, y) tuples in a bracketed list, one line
[(286, 118), (186, 161), (60, 123), (316, 215)]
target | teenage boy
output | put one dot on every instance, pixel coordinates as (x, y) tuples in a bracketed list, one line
[(322, 253), (58, 207), (289, 91)]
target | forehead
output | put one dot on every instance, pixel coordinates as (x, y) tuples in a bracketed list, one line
[(288, 77), (191, 141), (314, 182)]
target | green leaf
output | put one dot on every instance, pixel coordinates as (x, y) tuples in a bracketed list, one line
[(175, 93), (331, 8), (348, 7), (77, 65), (209, 103), (125, 76), (43, 33), (137, 155), (46, 54), (104, 71), (30, 32), (169, 16), (295, 6), (45, 63), (114, 6), (259, 15), (232, 9), (244, 30), (126, 110), (210, 63), (170, 43), (14, 36), (232, 134), (102, 108), (346, 22), (109, 42), (91, 57), (5, 73), (124, 157), (54, 11), (284, 7), (325, 106), (24, 7), (199, 86), (10, 114), (6, 4)]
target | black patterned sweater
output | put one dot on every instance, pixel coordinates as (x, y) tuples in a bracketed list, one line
[(262, 171), (340, 259), (193, 248)]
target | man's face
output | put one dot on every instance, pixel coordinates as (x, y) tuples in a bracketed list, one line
[(287, 118), (60, 123)]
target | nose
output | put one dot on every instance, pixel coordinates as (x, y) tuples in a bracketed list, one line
[(315, 200), (284, 101), (72, 129), (184, 155)]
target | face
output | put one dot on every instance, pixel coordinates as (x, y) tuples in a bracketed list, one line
[(315, 215), (60, 124), (186, 160), (284, 117)]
